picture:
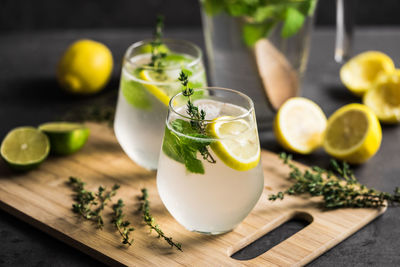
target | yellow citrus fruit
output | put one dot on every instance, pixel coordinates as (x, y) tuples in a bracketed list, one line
[(85, 67), (384, 98), (353, 134), (299, 125), (360, 72), (238, 146)]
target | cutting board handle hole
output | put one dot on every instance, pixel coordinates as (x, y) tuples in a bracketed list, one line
[(269, 236)]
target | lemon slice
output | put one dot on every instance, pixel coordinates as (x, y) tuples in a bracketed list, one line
[(360, 72), (25, 148), (299, 125), (353, 134), (384, 98), (152, 76), (238, 146)]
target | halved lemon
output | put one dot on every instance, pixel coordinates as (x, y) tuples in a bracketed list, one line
[(299, 125), (360, 72), (384, 98), (353, 134), (238, 145), (152, 76)]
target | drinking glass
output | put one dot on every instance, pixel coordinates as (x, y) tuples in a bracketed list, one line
[(144, 94), (215, 197)]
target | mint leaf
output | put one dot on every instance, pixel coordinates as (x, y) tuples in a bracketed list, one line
[(213, 7), (307, 7), (185, 149), (294, 20), (171, 146), (265, 12), (254, 32), (135, 94), (192, 164)]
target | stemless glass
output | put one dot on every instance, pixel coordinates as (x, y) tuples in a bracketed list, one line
[(144, 95), (212, 198)]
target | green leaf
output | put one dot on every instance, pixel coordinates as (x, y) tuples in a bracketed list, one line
[(254, 32), (293, 22), (185, 149), (265, 12), (135, 94), (213, 7), (307, 7), (171, 146)]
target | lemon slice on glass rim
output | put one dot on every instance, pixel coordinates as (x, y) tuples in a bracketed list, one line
[(237, 145)]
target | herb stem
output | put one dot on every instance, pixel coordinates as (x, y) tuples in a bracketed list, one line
[(150, 221), (123, 226), (338, 187)]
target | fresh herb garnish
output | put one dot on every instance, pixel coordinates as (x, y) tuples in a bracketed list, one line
[(150, 221), (88, 204), (338, 187), (197, 116), (123, 226), (261, 16), (182, 148), (157, 49)]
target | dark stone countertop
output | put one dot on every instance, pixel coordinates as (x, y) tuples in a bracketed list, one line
[(29, 95)]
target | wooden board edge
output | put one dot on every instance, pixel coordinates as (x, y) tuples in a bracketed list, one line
[(343, 237), (59, 235)]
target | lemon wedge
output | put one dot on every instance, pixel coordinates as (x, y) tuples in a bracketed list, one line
[(238, 145), (353, 134), (360, 72), (151, 76), (384, 98), (299, 125)]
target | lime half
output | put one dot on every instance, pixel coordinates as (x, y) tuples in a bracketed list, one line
[(24, 148), (65, 137), (238, 145)]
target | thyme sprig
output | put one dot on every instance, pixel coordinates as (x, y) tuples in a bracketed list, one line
[(197, 116), (338, 187), (150, 221), (123, 226), (157, 53), (88, 204)]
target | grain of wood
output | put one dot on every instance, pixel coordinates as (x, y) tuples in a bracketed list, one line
[(42, 199)]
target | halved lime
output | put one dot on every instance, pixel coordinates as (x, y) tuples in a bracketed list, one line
[(24, 148), (65, 137), (238, 146)]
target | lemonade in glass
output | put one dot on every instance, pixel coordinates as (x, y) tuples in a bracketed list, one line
[(144, 93), (209, 173)]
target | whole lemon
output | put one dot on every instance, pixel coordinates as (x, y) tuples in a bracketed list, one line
[(85, 67)]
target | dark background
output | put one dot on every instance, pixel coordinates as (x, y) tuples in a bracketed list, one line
[(25, 15), (34, 33)]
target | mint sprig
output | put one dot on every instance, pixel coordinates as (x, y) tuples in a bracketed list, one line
[(186, 139), (261, 16)]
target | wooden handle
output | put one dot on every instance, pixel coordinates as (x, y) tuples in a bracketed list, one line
[(279, 79)]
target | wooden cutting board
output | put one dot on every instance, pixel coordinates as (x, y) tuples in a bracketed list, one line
[(41, 198)]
